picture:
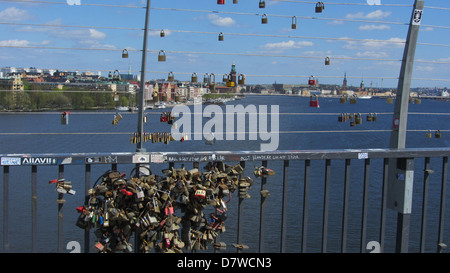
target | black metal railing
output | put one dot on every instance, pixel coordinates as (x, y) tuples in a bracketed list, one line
[(338, 201)]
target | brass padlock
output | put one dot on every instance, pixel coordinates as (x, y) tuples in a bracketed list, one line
[(369, 117), (162, 34), (342, 99), (161, 56), (262, 4), (390, 100), (170, 77), (327, 61), (428, 134), (264, 19), (294, 22), (358, 119), (225, 78), (194, 77), (417, 101), (241, 79), (221, 36), (437, 134), (235, 1), (320, 7), (125, 53)]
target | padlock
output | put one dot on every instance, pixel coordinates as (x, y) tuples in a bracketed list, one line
[(194, 77), (225, 78), (319, 7), (428, 134), (374, 117), (417, 101), (264, 19), (352, 123), (200, 194), (358, 119), (220, 2), (235, 1), (230, 82), (390, 100), (220, 36), (327, 60), (170, 77), (369, 117), (241, 79), (341, 118), (437, 134), (343, 99), (65, 117), (161, 56), (311, 80), (314, 102), (294, 22), (262, 4), (353, 99), (162, 33), (125, 53)]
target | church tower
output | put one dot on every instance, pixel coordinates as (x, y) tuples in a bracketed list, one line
[(233, 74), (344, 83)]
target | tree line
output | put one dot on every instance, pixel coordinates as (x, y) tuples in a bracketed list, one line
[(68, 98)]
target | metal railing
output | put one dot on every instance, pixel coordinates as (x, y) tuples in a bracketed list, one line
[(325, 180)]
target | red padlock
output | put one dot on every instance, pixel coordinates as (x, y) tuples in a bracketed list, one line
[(200, 194), (125, 192), (220, 2)]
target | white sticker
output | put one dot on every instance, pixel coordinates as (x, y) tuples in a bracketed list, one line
[(417, 17), (363, 155)]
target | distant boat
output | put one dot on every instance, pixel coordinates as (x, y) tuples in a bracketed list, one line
[(122, 108), (365, 97)]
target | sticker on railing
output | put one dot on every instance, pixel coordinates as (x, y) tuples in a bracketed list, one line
[(363, 155), (10, 161)]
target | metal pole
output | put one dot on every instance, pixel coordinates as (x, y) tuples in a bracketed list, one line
[(140, 128), (401, 180)]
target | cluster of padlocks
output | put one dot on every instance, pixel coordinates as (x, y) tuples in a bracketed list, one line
[(356, 118), (166, 212), (164, 137)]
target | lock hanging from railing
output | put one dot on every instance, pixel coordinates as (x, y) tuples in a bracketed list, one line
[(220, 36), (241, 79), (230, 82), (225, 78), (220, 2), (327, 60), (65, 117), (212, 82), (353, 99), (320, 7), (264, 19), (235, 1), (170, 77), (125, 53), (262, 4), (390, 100), (116, 75), (312, 80), (162, 34), (428, 134), (343, 99), (194, 77), (314, 102), (294, 22), (438, 134), (161, 56)]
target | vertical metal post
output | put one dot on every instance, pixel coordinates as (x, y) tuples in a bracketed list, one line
[(60, 201), (399, 189), (364, 206), (240, 210), (87, 186), (305, 204), (384, 203), (345, 209), (284, 207), (426, 179), (33, 208), (325, 205), (262, 215), (140, 128), (5, 208), (442, 206)]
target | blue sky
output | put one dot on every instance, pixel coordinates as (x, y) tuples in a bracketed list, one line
[(96, 32)]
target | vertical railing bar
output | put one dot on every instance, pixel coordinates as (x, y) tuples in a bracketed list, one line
[(284, 207), (240, 209), (345, 208), (262, 215), (60, 203), (364, 205), (114, 167), (305, 204), (325, 205), (442, 207), (87, 187), (426, 178), (5, 208), (33, 208), (384, 203)]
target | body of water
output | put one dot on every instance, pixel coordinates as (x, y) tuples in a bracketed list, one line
[(301, 128)]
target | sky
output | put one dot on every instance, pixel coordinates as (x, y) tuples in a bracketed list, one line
[(363, 38)]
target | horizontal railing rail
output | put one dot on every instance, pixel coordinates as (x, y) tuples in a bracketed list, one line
[(336, 170)]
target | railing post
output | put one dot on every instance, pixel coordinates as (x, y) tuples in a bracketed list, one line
[(441, 244), (305, 204), (262, 215), (87, 186), (60, 201), (5, 208), (240, 210), (284, 207), (33, 207)]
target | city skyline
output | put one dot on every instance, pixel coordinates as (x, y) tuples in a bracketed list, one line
[(364, 41)]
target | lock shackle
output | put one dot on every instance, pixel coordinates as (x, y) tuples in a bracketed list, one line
[(125, 53), (294, 22)]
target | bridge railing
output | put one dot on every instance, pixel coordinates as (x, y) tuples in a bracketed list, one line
[(321, 200)]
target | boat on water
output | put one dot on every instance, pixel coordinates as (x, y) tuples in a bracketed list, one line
[(122, 108), (364, 97)]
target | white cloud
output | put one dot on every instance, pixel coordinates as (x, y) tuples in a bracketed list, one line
[(221, 21), (374, 27), (14, 43), (371, 44), (281, 46), (97, 35), (372, 54), (378, 14), (13, 14)]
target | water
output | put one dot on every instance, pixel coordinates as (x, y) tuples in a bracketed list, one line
[(104, 137)]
